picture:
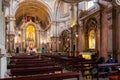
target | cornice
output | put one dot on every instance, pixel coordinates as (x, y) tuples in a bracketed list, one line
[(89, 15)]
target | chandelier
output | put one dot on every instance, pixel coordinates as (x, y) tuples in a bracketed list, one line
[(74, 1)]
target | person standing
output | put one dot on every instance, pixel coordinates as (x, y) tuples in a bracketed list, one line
[(17, 49), (43, 50)]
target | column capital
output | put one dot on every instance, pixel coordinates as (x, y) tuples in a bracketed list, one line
[(115, 3), (103, 5)]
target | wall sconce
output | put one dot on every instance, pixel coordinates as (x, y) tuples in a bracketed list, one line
[(19, 32), (76, 35), (59, 42), (68, 39), (7, 40), (23, 40)]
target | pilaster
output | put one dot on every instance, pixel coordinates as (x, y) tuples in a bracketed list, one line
[(104, 30), (80, 39), (116, 30)]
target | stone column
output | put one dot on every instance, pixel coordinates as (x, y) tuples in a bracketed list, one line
[(12, 22), (39, 48), (80, 40), (37, 37), (76, 29), (22, 41), (24, 38), (12, 18), (11, 26), (116, 30), (104, 31), (3, 62), (73, 23), (71, 43), (0, 17), (11, 33), (54, 36), (73, 14)]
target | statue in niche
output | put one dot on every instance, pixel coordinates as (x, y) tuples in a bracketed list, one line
[(92, 39)]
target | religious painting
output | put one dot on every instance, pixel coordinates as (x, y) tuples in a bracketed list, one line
[(30, 33)]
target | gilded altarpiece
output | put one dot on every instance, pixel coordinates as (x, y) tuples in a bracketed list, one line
[(30, 35), (91, 34)]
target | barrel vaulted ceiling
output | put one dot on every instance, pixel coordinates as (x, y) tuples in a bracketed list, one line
[(34, 8)]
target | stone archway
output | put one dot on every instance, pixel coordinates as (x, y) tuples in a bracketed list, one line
[(36, 13)]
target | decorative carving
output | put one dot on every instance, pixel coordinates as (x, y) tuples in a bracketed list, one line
[(91, 24), (65, 40)]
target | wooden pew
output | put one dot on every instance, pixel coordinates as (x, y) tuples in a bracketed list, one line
[(57, 76), (29, 62), (35, 70), (11, 66), (114, 77), (24, 57), (20, 60), (109, 69)]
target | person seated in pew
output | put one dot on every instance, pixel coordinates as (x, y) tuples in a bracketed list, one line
[(95, 70), (111, 60), (102, 61)]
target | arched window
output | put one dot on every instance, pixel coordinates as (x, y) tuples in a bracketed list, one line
[(30, 33), (92, 39), (88, 5)]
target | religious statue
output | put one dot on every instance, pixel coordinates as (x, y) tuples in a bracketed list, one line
[(92, 39)]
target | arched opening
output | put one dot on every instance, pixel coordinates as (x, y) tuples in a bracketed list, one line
[(33, 18), (91, 35)]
